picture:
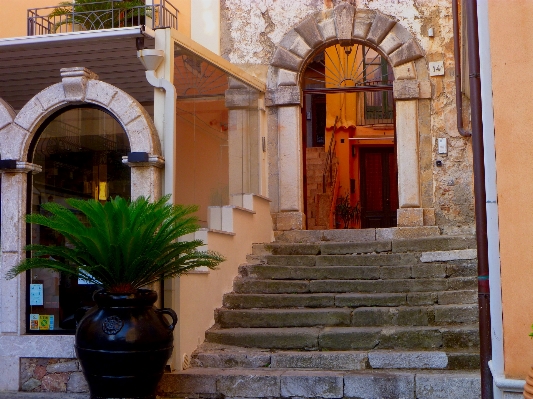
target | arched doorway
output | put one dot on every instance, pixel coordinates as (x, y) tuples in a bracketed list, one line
[(345, 26), (80, 151), (350, 173)]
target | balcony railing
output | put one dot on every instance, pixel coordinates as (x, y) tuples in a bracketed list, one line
[(85, 16)]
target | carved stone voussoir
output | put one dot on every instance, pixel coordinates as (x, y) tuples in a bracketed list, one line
[(362, 24), (344, 15), (380, 28), (408, 52), (308, 30), (285, 59)]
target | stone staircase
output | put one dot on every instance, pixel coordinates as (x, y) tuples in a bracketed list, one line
[(380, 319)]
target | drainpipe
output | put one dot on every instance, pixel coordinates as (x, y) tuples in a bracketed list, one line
[(480, 200), (151, 59), (457, 56)]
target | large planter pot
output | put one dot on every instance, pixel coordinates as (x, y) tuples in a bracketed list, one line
[(123, 344)]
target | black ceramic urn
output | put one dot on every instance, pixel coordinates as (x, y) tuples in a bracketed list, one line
[(124, 343)]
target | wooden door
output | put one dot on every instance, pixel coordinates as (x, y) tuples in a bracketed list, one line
[(379, 187)]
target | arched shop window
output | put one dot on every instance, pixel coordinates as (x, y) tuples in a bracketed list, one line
[(80, 150)]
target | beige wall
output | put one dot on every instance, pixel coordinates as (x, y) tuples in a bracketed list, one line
[(13, 15), (200, 294), (512, 59)]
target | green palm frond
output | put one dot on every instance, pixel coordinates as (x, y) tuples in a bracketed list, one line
[(120, 245)]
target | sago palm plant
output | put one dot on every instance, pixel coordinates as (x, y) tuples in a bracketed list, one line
[(120, 245)]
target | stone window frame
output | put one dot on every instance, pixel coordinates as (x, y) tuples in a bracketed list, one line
[(346, 25)]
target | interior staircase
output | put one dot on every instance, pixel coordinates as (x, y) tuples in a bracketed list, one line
[(357, 317)]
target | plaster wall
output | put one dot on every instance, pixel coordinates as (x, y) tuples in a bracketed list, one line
[(512, 56), (201, 293), (13, 15), (252, 30)]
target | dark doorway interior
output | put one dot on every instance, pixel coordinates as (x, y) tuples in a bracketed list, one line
[(379, 187)]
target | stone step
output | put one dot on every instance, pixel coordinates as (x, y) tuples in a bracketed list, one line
[(427, 270), (425, 244), (365, 384), (355, 300), (223, 356), (436, 315), (260, 286), (348, 338)]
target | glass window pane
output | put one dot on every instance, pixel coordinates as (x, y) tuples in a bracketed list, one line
[(80, 152)]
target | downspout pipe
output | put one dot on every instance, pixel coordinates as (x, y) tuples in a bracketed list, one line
[(457, 56), (480, 200)]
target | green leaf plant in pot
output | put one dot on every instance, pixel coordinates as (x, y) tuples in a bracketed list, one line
[(124, 342)]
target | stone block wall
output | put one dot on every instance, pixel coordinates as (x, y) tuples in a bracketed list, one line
[(51, 375)]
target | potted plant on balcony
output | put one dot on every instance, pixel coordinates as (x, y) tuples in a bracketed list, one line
[(97, 14), (123, 343)]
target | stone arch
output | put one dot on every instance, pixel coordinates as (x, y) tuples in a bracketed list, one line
[(344, 24), (81, 86)]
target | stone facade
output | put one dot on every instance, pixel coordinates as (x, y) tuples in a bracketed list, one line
[(51, 375), (282, 36)]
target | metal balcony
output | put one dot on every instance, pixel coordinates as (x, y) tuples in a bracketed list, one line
[(87, 16)]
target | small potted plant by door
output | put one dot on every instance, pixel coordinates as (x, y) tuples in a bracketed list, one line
[(124, 342)]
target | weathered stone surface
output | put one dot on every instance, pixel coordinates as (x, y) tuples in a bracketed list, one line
[(333, 248), (329, 360), (379, 385), (425, 90), (326, 25), (366, 259), (442, 256), (407, 360), (275, 338), (380, 28), (55, 382), (349, 338), (7, 114), (287, 260), (445, 386), (321, 384), (292, 249), (231, 359), (308, 30), (429, 271), (397, 36), (287, 78), (251, 286), (30, 114), (344, 16), (351, 235), (410, 338), (451, 297), (244, 301), (300, 48), (310, 273), (406, 90), (460, 337), (241, 98), (63, 367), (239, 384), (77, 383), (74, 81), (359, 300), (383, 316), (405, 71), (285, 59), (298, 236), (52, 97), (407, 232), (434, 244), (456, 314), (408, 52), (421, 298), (394, 272), (363, 22), (283, 317), (189, 381)]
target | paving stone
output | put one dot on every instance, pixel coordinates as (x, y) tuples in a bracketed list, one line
[(366, 260), (349, 235), (275, 338), (359, 300), (410, 338), (310, 273), (329, 360), (457, 297), (77, 383), (244, 301), (251, 286), (267, 318), (460, 337), (292, 249), (446, 386), (230, 359), (465, 268), (191, 381), (379, 385), (462, 283), (456, 314), (63, 367), (395, 272), (421, 298), (407, 360), (443, 256), (349, 338), (251, 384), (431, 244), (463, 360), (306, 384), (429, 270), (334, 248), (31, 384), (286, 260)]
